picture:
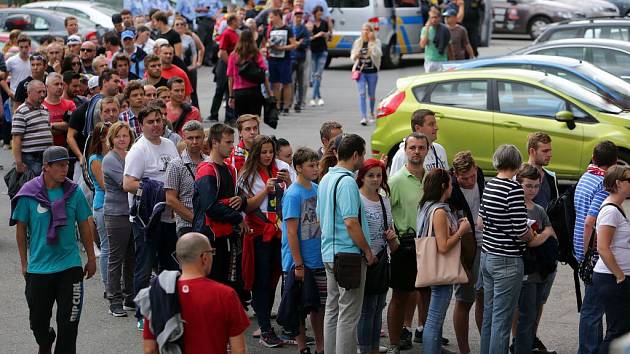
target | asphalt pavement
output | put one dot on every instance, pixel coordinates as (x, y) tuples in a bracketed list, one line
[(99, 332)]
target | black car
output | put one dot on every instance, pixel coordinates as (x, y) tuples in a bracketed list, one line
[(617, 28), (39, 23)]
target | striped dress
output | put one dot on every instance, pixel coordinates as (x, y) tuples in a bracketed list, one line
[(504, 218)]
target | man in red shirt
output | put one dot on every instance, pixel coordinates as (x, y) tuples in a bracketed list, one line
[(169, 70), (227, 43), (59, 108), (212, 312), (176, 106)]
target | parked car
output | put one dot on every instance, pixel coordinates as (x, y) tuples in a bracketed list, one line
[(38, 23), (478, 110), (97, 12), (610, 55), (623, 6), (606, 28), (531, 16), (595, 8), (578, 71)]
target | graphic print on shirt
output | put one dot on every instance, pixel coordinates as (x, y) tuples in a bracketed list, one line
[(309, 224), (164, 159), (277, 37)]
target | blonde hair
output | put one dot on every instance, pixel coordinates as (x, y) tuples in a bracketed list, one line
[(113, 131)]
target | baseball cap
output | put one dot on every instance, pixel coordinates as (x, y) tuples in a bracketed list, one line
[(127, 34), (116, 19), (93, 82), (74, 39), (449, 12), (56, 154), (160, 42)]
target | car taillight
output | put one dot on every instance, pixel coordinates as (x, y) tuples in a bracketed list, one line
[(91, 36), (390, 104), (374, 22), (513, 15)]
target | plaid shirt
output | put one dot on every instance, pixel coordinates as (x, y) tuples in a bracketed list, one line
[(130, 118), (180, 179)]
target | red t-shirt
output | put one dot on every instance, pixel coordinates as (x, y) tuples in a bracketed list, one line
[(212, 313), (57, 113), (193, 115), (228, 41), (175, 71)]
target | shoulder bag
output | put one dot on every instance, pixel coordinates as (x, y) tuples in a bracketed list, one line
[(377, 275), (250, 71), (346, 266), (435, 268)]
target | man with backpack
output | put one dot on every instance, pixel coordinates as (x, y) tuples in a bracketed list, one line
[(589, 196), (178, 111)]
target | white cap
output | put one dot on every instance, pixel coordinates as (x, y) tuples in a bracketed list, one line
[(160, 42), (74, 39), (93, 82)]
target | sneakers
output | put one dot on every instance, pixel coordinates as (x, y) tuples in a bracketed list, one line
[(371, 119), (285, 111), (297, 109), (364, 121), (287, 338), (256, 333), (418, 337), (306, 350), (117, 310), (140, 325), (312, 103), (405, 339), (382, 349), (129, 305), (269, 339), (320, 102), (393, 349), (539, 347)]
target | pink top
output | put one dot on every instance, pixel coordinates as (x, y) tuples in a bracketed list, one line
[(232, 71)]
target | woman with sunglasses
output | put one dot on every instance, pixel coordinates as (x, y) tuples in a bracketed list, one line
[(611, 272), (263, 181), (96, 150), (71, 62), (435, 219)]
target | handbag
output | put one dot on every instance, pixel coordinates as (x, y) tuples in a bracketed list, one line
[(585, 269), (346, 266), (356, 73), (250, 71), (435, 268), (377, 275)]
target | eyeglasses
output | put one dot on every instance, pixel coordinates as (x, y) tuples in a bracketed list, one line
[(87, 50)]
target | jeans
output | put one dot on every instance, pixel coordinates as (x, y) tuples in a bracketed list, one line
[(318, 62), (99, 219), (42, 292), (299, 73), (263, 293), (614, 297), (33, 161), (502, 279), (591, 329), (121, 259), (432, 335), (343, 310), (370, 323), (530, 300), (367, 81)]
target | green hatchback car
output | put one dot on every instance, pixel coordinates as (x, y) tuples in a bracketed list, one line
[(478, 110)]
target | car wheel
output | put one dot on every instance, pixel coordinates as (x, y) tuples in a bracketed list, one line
[(391, 58), (628, 13), (537, 26)]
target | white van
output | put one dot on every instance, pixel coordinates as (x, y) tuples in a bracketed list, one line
[(398, 24)]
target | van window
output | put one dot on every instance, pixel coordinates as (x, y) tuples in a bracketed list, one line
[(348, 3)]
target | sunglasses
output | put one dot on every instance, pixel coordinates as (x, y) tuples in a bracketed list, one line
[(87, 50), (76, 63)]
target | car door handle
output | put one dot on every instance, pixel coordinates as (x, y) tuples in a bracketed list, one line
[(512, 125)]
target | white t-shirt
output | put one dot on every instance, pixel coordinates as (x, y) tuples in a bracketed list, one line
[(146, 159), (620, 245), (259, 185), (430, 161), (474, 202), (374, 216), (18, 69)]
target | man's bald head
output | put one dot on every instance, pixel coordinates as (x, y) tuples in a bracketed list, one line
[(190, 246)]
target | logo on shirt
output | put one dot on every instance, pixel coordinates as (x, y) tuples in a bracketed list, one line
[(41, 209)]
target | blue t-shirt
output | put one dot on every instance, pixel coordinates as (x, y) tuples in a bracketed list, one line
[(44, 258), (99, 193), (348, 206), (589, 196), (300, 203)]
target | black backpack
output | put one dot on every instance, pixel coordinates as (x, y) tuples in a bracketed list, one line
[(561, 212)]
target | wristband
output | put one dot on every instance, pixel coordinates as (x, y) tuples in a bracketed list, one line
[(299, 266)]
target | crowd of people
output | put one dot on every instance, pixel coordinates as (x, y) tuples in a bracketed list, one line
[(190, 227)]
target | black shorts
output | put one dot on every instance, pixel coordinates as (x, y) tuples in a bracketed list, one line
[(403, 268)]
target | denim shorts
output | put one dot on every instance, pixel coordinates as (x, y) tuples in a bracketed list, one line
[(280, 71)]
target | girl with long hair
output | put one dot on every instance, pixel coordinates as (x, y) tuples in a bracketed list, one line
[(263, 181), (245, 96), (366, 53), (71, 62)]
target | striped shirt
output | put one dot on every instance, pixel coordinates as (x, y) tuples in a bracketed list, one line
[(504, 218), (33, 124), (589, 196), (131, 119)]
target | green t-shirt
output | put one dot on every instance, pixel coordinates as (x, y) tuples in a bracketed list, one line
[(405, 195), (430, 50), (52, 258)]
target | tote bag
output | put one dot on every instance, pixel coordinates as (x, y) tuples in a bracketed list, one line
[(435, 268)]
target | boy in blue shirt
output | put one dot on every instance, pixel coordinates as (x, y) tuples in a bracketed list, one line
[(48, 208), (301, 243)]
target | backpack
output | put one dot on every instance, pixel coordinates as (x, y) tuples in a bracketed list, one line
[(561, 212)]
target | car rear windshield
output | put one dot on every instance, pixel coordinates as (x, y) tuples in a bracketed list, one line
[(348, 3), (580, 93)]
